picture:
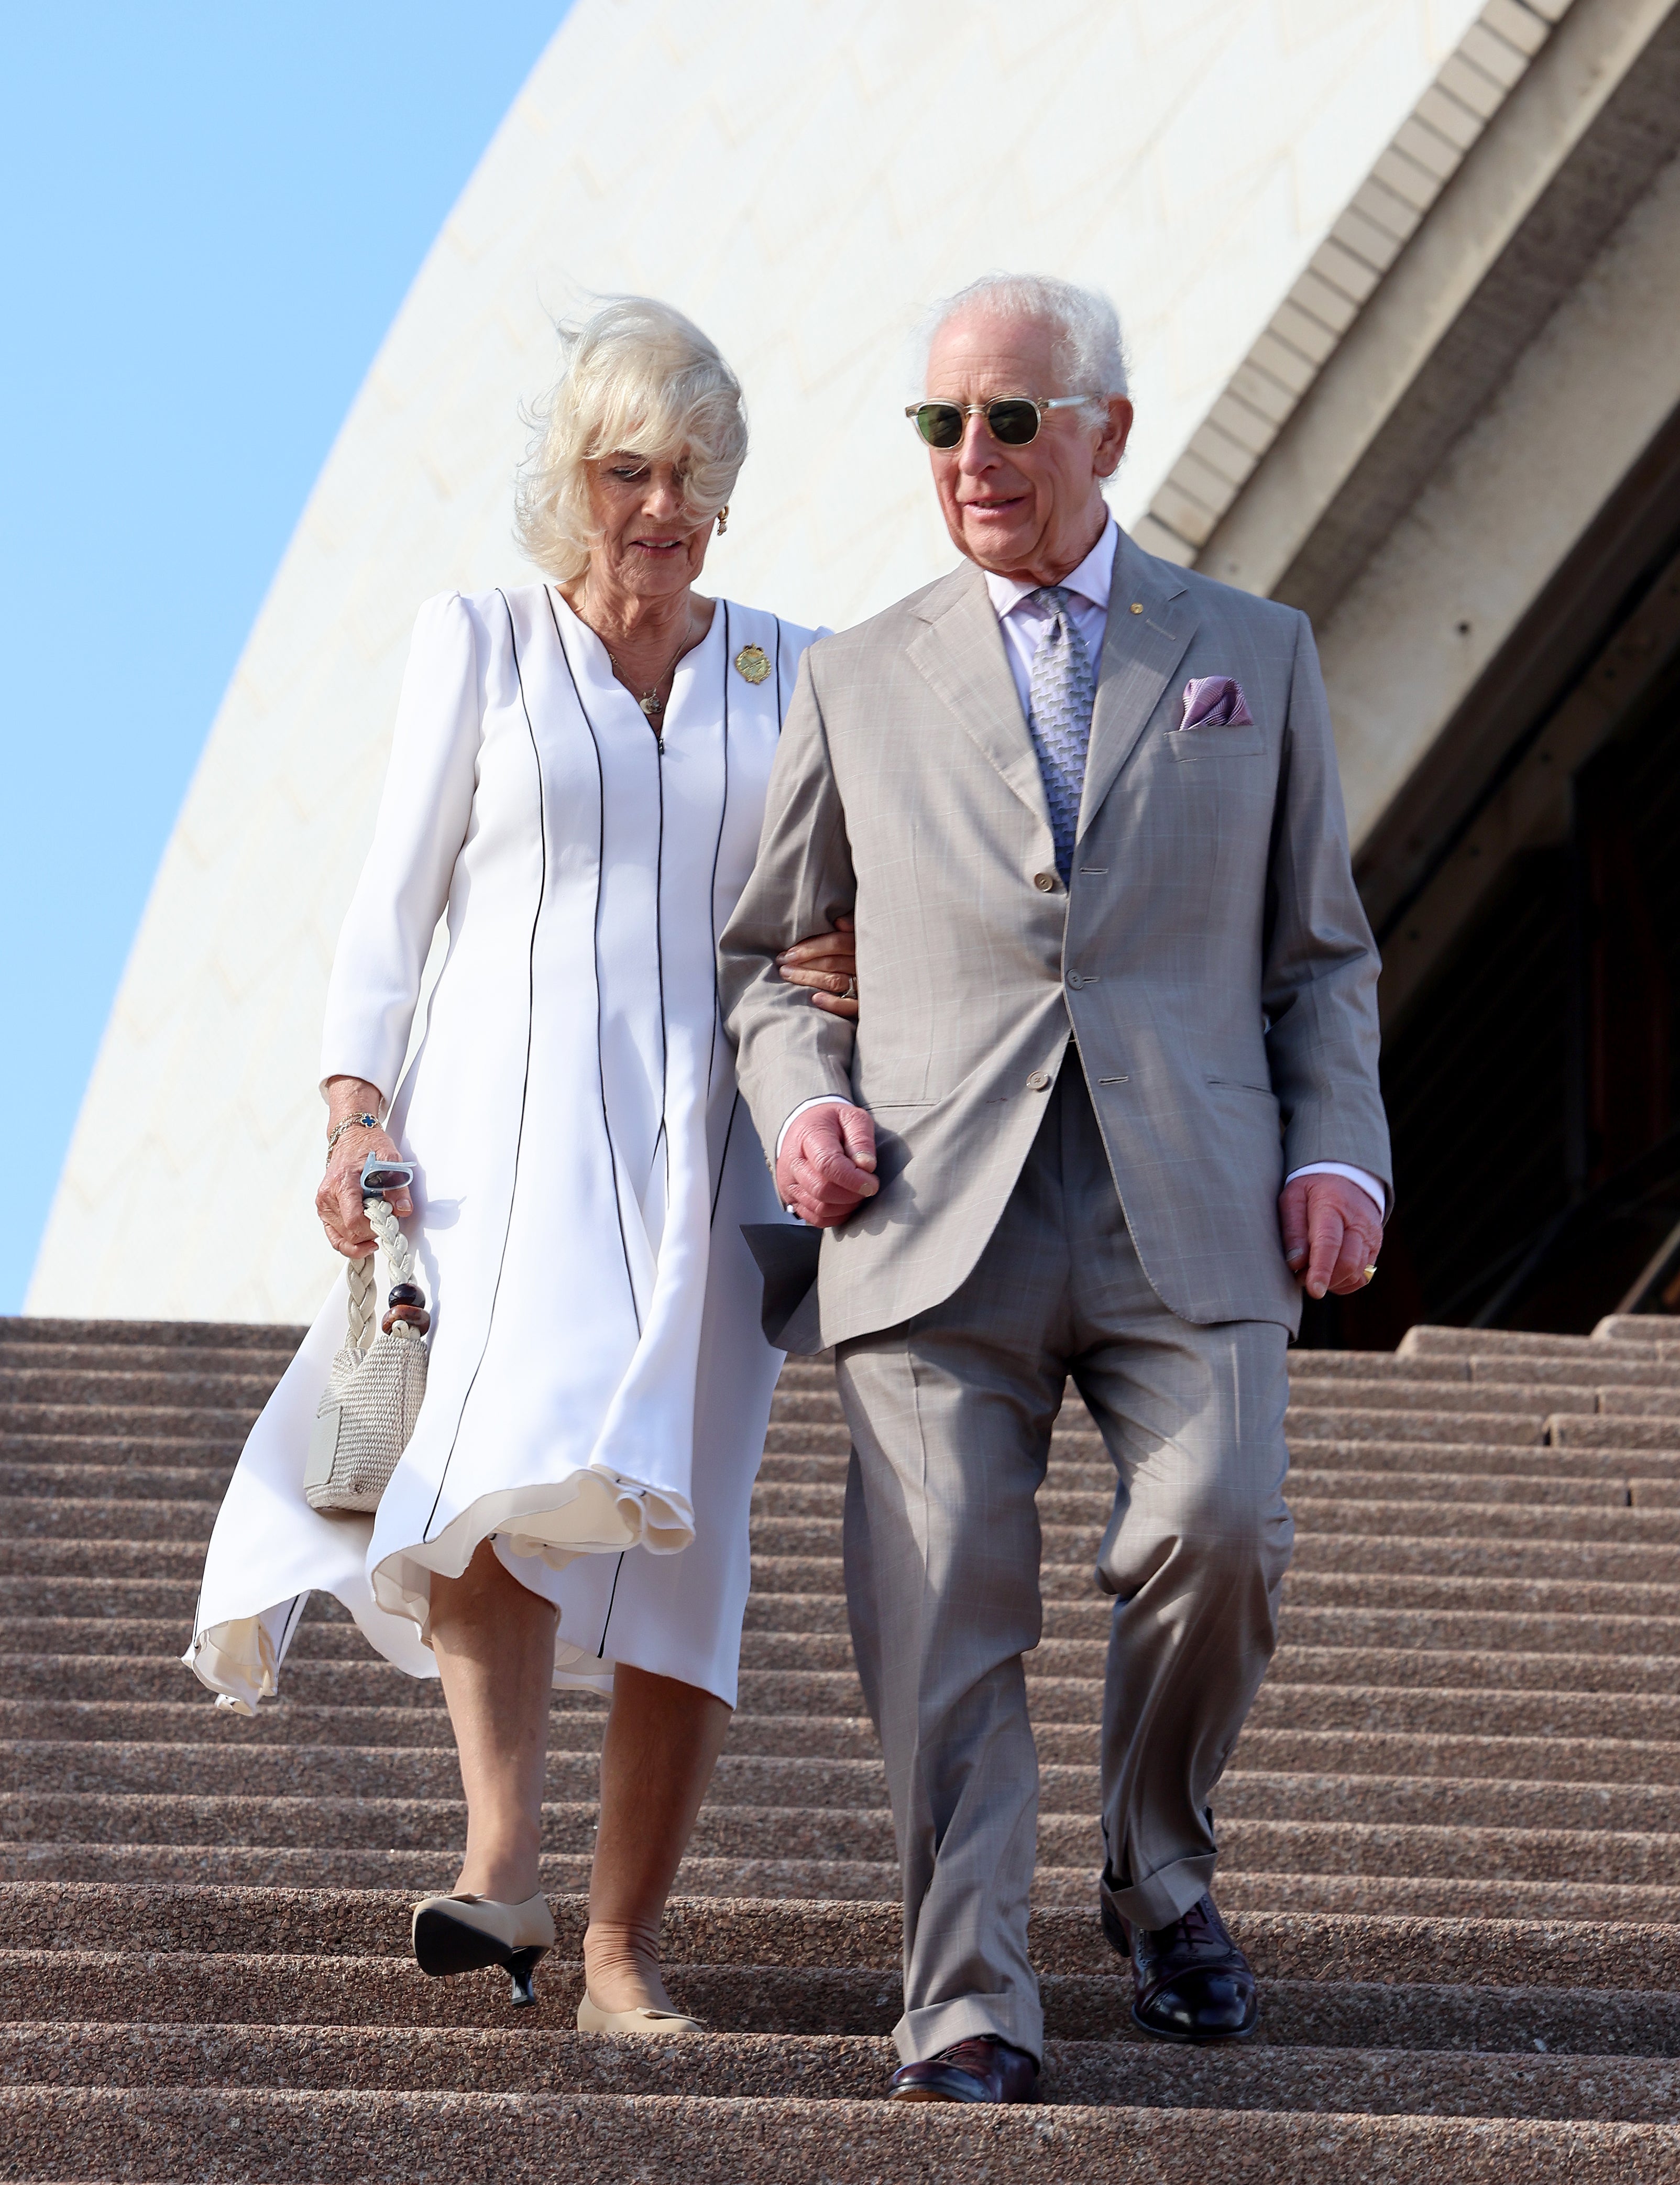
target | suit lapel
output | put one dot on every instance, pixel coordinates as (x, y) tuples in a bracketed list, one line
[(960, 652), (1139, 654)]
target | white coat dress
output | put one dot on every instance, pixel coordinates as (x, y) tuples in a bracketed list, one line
[(598, 1384)]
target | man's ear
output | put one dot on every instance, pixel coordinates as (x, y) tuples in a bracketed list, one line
[(1111, 443)]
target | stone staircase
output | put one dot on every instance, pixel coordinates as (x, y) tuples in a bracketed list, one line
[(1451, 1832)]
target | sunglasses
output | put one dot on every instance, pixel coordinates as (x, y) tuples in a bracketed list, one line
[(1012, 421)]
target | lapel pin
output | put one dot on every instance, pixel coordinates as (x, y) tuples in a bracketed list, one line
[(1137, 606), (753, 662)]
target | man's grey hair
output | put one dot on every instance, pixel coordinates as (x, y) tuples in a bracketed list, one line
[(1089, 353)]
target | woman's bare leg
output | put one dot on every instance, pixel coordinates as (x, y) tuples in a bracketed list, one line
[(662, 1741), (493, 1639)]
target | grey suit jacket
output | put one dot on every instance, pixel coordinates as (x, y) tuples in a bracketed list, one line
[(1211, 954)]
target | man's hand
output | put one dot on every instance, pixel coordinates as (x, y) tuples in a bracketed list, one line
[(826, 1168), (1330, 1234)]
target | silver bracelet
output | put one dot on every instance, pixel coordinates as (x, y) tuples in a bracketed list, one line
[(350, 1123)]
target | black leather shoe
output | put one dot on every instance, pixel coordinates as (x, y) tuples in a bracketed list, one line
[(1189, 1982), (982, 2069)]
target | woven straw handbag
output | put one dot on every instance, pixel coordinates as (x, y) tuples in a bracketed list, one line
[(373, 1394)]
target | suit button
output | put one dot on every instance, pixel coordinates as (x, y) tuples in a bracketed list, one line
[(1075, 978), (1044, 882), (1038, 1081)]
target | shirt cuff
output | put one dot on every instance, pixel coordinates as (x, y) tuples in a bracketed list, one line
[(1368, 1184), (818, 1100)]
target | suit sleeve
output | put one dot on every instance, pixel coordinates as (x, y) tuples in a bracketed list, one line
[(786, 1051), (424, 813), (1320, 969)]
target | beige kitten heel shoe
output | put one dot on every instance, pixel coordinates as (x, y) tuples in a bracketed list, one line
[(592, 2018), (463, 1934)]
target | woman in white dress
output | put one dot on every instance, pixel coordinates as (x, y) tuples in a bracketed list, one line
[(577, 782)]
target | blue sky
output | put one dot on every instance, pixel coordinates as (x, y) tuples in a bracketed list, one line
[(212, 212)]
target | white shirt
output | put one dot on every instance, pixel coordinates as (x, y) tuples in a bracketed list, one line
[(1023, 626)]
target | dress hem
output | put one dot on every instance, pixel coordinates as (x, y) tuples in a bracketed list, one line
[(589, 1512)]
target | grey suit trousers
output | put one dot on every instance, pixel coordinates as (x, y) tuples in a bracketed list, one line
[(950, 1414)]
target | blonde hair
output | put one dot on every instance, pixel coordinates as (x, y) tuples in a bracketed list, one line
[(637, 375)]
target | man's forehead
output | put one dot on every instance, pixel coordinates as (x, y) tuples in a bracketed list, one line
[(979, 347)]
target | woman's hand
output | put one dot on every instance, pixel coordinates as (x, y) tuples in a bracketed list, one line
[(339, 1201), (827, 962)]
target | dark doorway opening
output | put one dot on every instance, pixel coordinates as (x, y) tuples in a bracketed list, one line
[(1533, 1089)]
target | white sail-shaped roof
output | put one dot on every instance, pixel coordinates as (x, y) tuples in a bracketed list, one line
[(801, 179)]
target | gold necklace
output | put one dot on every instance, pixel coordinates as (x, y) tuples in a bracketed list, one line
[(650, 701)]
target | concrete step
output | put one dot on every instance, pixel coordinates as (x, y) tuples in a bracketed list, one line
[(1465, 1398), (1540, 1476), (834, 2067), (1610, 1457), (1361, 1885), (1505, 1953), (1435, 1897), (96, 1482), (1487, 1668), (793, 1711), (126, 1336), (749, 1773), (48, 1516), (154, 1422), (1394, 1651), (170, 1504), (179, 1561), (281, 2136), (103, 1390), (1600, 1512), (576, 1724), (265, 1361), (1461, 1398), (1604, 1367), (1643, 1556), (57, 1768), (1452, 1629), (806, 1593), (1637, 1327), (777, 1825), (1426, 1341), (1470, 1851), (1635, 1442), (31, 1646), (273, 1989), (1509, 1428), (206, 1452)]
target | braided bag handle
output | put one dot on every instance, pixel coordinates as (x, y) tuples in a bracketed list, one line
[(375, 1388), (364, 1305)]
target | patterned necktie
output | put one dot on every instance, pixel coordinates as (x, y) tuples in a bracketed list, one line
[(1058, 714)]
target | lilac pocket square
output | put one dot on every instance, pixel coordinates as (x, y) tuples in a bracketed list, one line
[(1216, 702)]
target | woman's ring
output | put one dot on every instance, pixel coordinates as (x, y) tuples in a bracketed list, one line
[(851, 994), (1370, 1274)]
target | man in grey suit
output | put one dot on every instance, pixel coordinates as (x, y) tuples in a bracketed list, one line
[(1111, 1104)]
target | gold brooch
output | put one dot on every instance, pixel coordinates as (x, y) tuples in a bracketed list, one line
[(753, 663)]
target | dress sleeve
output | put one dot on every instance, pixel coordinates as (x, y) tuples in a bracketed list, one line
[(424, 813)]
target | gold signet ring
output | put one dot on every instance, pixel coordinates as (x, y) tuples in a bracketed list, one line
[(753, 662), (1370, 1274)]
